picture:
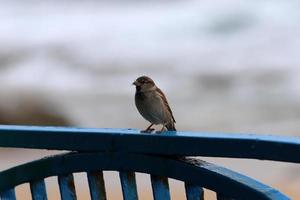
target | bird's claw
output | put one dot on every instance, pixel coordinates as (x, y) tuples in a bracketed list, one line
[(148, 130)]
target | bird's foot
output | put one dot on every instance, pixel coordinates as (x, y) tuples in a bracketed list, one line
[(148, 130)]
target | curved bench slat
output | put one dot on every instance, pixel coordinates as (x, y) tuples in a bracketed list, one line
[(96, 185), (193, 192), (160, 188), (223, 197), (210, 176), (38, 190), (128, 184), (8, 194), (67, 187)]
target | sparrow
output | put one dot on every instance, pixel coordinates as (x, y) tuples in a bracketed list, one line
[(152, 104)]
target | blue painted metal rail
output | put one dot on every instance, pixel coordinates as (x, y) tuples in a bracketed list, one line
[(262, 147), (128, 151)]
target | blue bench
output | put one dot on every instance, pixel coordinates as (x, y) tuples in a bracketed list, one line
[(128, 151)]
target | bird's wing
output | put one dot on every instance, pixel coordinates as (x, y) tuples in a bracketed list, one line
[(165, 102)]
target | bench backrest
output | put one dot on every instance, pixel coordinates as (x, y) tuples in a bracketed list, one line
[(127, 151)]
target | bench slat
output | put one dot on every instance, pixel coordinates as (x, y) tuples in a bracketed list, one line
[(128, 184), (96, 185), (160, 188), (38, 190), (194, 192), (8, 195), (67, 187)]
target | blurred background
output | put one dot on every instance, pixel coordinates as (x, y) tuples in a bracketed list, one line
[(225, 66)]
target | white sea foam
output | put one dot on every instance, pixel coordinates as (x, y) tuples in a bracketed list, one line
[(66, 40)]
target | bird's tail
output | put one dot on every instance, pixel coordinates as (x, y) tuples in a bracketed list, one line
[(171, 126)]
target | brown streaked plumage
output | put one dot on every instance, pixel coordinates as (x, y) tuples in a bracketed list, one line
[(152, 104)]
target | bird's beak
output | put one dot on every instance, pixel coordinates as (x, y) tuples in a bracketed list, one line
[(135, 83)]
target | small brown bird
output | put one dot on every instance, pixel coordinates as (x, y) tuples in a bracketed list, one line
[(152, 104)]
